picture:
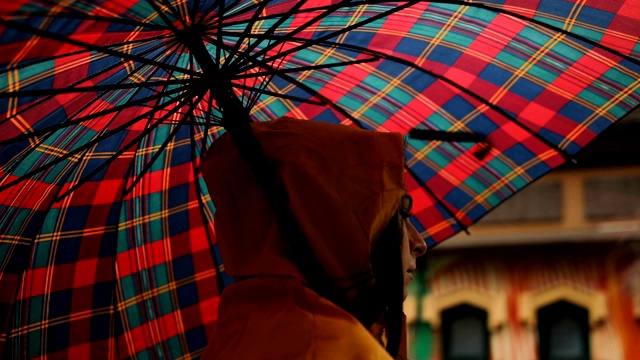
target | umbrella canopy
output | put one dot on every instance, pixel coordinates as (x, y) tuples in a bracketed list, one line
[(106, 107)]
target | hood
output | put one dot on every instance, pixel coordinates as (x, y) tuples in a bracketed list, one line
[(343, 184)]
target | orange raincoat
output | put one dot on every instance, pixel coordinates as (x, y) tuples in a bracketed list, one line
[(344, 185)]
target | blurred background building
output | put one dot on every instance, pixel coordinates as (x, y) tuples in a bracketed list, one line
[(553, 273)]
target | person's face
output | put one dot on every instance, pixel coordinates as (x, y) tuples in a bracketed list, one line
[(413, 246)]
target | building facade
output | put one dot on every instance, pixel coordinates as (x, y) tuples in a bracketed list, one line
[(554, 273)]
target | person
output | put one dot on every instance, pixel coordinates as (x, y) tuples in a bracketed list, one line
[(345, 188)]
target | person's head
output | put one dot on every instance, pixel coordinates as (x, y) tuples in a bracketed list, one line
[(393, 259), (344, 187), (412, 246)]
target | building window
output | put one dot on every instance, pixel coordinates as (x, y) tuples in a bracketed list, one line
[(464, 333), (563, 330), (539, 202), (612, 197)]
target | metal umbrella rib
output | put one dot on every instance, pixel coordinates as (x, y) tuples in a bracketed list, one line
[(64, 39), (79, 150), (380, 55), (94, 88), (542, 24), (92, 17), (328, 36)]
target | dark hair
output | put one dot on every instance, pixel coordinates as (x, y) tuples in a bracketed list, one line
[(386, 261), (386, 297)]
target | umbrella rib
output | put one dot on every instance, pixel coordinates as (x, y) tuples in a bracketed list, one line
[(90, 17), (245, 9), (323, 101), (123, 149), (114, 287), (542, 24), (255, 95), (162, 15), (284, 96), (310, 43), (251, 7), (219, 41), (272, 29), (267, 82), (196, 122), (208, 115), (72, 122), (464, 90), (439, 201), (205, 219), (47, 98), (312, 9), (231, 6), (81, 148), (219, 47), (174, 12), (260, 7), (49, 131), (97, 73), (24, 64), (306, 68), (212, 5), (92, 116), (29, 260), (166, 142), (193, 11), (273, 71), (247, 28), (447, 136), (315, 93), (98, 48), (220, 15), (157, 154), (144, 133), (95, 88)]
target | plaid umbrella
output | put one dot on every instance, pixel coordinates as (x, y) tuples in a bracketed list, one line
[(106, 242)]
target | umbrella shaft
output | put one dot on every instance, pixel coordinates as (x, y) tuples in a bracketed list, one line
[(214, 79), (236, 121)]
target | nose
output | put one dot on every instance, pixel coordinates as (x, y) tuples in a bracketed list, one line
[(416, 243)]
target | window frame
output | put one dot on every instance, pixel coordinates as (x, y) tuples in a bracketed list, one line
[(551, 314), (448, 316)]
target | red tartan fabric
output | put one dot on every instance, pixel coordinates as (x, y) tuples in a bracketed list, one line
[(106, 237)]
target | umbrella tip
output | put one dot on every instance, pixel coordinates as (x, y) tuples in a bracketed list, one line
[(481, 150)]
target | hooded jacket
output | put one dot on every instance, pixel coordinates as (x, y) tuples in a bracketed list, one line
[(343, 186)]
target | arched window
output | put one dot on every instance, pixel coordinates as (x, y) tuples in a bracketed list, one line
[(563, 330), (464, 333)]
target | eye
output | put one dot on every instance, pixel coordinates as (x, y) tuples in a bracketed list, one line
[(405, 206)]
